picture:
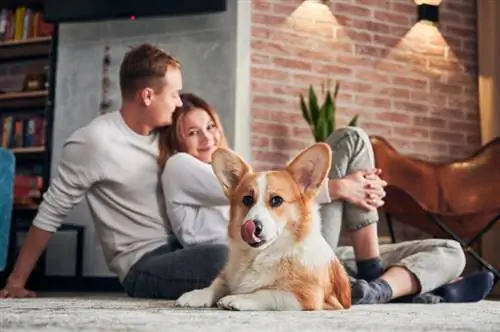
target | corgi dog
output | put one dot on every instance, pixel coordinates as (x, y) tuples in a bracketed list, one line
[(278, 258)]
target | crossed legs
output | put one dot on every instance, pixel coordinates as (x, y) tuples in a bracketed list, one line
[(383, 272)]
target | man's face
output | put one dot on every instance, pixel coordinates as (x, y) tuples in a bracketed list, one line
[(163, 103)]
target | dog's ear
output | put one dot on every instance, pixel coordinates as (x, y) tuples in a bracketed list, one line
[(310, 167), (229, 169)]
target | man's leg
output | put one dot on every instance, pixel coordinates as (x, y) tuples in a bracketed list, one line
[(352, 151), (414, 268), (167, 273)]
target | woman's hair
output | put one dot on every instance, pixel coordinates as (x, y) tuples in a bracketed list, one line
[(171, 135)]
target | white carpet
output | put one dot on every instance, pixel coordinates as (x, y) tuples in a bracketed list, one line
[(107, 313)]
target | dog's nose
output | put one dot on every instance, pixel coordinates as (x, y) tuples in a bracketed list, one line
[(258, 227)]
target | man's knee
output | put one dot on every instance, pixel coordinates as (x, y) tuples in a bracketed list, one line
[(348, 133), (354, 144)]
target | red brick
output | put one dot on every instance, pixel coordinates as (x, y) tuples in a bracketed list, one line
[(373, 102), (410, 106), (393, 117), (426, 121), (409, 132), (392, 17), (351, 10), (292, 64), (447, 136), (287, 144)]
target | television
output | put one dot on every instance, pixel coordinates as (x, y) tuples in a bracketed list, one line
[(60, 11)]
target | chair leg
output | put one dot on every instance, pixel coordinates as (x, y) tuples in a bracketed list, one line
[(390, 225), (466, 245)]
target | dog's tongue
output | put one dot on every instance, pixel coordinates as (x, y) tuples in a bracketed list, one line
[(248, 232)]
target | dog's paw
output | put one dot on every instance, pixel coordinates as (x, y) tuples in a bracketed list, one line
[(239, 303), (198, 298)]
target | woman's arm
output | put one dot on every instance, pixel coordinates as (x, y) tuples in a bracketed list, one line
[(195, 225), (187, 180)]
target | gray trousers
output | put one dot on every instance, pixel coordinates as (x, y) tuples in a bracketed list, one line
[(434, 262), (170, 270)]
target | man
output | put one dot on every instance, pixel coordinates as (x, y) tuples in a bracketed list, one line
[(112, 161)]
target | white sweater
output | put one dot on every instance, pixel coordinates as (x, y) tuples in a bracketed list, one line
[(196, 205), (116, 170)]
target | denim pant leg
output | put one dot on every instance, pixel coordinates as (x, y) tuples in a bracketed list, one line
[(169, 271), (352, 151)]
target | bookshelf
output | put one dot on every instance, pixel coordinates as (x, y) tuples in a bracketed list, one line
[(28, 50)]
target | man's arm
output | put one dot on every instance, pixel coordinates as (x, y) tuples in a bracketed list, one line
[(79, 169)]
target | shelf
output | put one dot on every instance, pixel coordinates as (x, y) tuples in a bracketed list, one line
[(27, 150), (29, 99), (17, 50)]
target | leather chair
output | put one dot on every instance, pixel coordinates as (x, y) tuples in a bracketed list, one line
[(458, 200), (7, 169)]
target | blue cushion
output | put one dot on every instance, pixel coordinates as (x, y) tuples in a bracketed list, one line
[(7, 167)]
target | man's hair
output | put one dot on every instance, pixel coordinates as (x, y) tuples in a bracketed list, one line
[(144, 65)]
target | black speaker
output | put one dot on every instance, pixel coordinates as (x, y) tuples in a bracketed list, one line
[(59, 11)]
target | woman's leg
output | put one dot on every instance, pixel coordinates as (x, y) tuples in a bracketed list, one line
[(414, 268), (168, 272), (352, 151)]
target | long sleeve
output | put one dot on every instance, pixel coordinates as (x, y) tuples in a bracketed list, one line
[(187, 180), (195, 225), (78, 169)]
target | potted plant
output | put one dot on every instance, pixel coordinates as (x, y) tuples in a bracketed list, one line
[(321, 119)]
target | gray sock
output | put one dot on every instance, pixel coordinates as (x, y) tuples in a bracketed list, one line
[(427, 298), (374, 292)]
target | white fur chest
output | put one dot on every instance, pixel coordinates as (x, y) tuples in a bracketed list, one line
[(246, 277)]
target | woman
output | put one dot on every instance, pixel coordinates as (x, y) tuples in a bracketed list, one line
[(198, 212)]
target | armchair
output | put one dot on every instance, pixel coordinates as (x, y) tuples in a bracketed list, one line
[(459, 199)]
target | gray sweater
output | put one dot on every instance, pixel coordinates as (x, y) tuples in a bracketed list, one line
[(115, 169)]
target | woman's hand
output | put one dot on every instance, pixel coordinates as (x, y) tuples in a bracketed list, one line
[(363, 188)]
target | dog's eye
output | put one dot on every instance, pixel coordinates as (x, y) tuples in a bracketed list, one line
[(276, 201), (247, 200)]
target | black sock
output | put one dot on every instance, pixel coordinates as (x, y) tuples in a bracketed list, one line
[(370, 269), (374, 292)]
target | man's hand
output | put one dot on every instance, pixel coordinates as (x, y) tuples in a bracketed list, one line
[(363, 188), (15, 290)]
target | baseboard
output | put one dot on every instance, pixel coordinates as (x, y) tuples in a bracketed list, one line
[(72, 284)]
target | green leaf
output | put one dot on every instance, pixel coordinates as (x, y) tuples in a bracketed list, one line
[(336, 91), (320, 131), (327, 111), (305, 111), (354, 121), (313, 105)]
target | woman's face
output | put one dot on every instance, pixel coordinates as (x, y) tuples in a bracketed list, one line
[(199, 134)]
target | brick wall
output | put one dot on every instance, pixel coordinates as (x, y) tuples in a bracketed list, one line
[(411, 83)]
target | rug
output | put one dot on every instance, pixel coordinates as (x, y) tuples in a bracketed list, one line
[(124, 314)]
